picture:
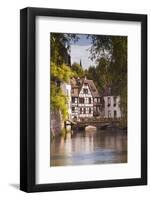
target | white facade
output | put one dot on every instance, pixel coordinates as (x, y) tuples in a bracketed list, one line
[(82, 106), (112, 107), (85, 107)]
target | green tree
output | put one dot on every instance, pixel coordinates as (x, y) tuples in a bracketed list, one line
[(60, 70), (58, 100), (111, 55), (60, 44), (99, 74), (77, 69)]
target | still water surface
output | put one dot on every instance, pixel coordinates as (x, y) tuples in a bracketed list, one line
[(89, 147)]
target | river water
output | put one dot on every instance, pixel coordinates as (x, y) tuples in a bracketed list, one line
[(89, 147)]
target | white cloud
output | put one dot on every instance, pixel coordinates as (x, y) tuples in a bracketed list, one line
[(81, 52)]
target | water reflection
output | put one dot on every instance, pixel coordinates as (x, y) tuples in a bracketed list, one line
[(89, 147)]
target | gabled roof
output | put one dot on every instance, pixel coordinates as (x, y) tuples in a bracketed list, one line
[(76, 85), (92, 87)]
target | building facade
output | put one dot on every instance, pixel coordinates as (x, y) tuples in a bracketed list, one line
[(111, 105), (85, 99)]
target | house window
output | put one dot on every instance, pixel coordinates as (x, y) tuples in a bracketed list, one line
[(95, 100), (89, 100), (115, 113), (73, 99), (108, 101), (89, 110), (80, 110), (109, 114), (73, 109), (85, 91), (84, 110), (81, 100), (86, 100), (114, 100)]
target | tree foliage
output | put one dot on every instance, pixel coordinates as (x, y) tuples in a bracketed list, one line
[(60, 43), (59, 100), (77, 69), (99, 74), (111, 70), (60, 71)]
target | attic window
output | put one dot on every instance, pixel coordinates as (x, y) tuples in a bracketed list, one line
[(85, 91)]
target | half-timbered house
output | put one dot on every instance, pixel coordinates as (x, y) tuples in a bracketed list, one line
[(85, 99)]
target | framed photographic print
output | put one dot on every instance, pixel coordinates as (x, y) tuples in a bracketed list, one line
[(83, 99)]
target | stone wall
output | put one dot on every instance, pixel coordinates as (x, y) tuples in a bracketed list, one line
[(56, 124)]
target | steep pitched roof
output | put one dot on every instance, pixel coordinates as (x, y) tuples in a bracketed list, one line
[(76, 85), (92, 87)]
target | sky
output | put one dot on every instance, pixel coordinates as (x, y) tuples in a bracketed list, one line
[(80, 51)]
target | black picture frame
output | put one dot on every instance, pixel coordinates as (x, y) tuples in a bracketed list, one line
[(28, 99)]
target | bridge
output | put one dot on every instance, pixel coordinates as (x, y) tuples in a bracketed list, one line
[(101, 123)]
